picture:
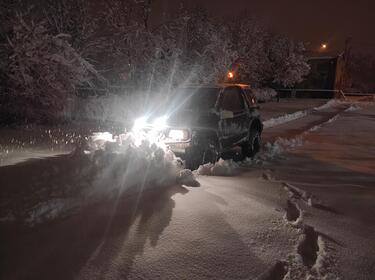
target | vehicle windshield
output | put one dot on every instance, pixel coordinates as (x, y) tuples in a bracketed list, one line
[(195, 99)]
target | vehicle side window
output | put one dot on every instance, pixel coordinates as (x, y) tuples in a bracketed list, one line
[(232, 100), (249, 93)]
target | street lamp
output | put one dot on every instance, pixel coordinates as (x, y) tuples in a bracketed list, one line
[(323, 46)]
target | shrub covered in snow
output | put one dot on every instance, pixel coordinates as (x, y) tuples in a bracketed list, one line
[(264, 94)]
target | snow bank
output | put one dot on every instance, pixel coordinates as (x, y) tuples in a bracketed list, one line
[(220, 168), (353, 108), (269, 152), (284, 119), (264, 94), (317, 127), (187, 177), (336, 102), (299, 114), (273, 150), (331, 103), (125, 161)]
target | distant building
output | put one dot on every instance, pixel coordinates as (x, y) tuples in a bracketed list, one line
[(325, 79)]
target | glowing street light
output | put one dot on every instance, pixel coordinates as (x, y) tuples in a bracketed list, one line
[(230, 75), (324, 46)]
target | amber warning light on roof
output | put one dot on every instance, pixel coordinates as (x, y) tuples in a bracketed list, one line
[(230, 75)]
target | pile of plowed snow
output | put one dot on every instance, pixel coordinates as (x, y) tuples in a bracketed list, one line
[(124, 161), (220, 168)]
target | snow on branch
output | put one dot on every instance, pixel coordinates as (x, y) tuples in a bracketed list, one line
[(44, 69)]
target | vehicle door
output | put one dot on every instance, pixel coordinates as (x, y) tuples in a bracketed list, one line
[(251, 103), (233, 116)]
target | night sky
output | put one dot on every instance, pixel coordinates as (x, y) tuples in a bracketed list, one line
[(311, 21)]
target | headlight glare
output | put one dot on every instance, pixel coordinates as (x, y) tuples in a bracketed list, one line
[(178, 135), (139, 123), (160, 123)]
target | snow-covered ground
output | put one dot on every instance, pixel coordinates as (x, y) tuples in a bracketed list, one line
[(336, 167), (302, 209), (18, 144), (288, 106)]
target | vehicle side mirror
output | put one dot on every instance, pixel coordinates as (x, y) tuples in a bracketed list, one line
[(224, 114)]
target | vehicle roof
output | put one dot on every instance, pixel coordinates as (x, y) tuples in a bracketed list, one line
[(219, 85)]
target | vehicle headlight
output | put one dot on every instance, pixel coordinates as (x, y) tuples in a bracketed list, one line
[(139, 124), (178, 135)]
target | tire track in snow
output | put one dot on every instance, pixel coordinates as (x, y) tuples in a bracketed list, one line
[(308, 246), (310, 258), (277, 272), (293, 214)]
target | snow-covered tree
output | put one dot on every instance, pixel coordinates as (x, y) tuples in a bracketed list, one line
[(208, 47), (126, 41), (43, 70), (46, 54), (6, 13), (288, 64), (145, 11), (264, 58), (189, 48), (249, 39), (76, 18), (198, 49)]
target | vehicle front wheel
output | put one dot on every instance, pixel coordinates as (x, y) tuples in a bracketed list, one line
[(251, 147), (198, 156)]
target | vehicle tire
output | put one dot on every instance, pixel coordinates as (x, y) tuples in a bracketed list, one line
[(202, 155), (251, 147), (211, 154)]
